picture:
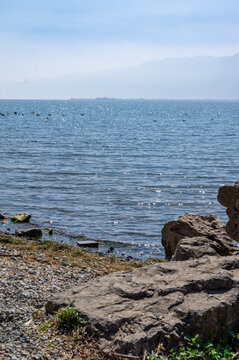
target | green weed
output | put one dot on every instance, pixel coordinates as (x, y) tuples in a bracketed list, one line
[(69, 317), (66, 317), (195, 348)]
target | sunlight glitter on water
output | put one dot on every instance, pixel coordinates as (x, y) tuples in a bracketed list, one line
[(115, 173)]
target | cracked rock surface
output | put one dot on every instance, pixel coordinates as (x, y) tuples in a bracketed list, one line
[(137, 310)]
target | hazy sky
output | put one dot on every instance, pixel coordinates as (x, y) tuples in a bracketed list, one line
[(48, 38)]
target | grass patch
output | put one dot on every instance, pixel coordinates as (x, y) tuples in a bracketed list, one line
[(74, 332), (223, 348), (70, 318), (67, 318), (13, 240)]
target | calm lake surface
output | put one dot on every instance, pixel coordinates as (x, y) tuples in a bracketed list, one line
[(116, 169)]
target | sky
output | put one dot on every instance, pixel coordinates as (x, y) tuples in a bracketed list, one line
[(42, 39)]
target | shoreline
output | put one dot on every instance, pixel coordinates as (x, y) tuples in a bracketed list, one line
[(119, 249), (58, 251)]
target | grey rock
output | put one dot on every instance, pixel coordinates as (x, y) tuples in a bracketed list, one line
[(193, 248), (195, 225), (137, 310), (31, 233), (89, 243), (26, 293), (228, 196)]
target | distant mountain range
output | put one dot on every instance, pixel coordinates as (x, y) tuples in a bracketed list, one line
[(203, 77)]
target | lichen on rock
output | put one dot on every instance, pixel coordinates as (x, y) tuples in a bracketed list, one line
[(48, 230), (21, 217)]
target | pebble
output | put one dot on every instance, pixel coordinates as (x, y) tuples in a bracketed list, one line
[(25, 287)]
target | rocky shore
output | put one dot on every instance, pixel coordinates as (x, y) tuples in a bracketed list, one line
[(31, 272), (131, 311)]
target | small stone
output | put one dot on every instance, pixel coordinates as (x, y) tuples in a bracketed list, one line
[(31, 233), (28, 322), (86, 243), (2, 217), (21, 217), (48, 230)]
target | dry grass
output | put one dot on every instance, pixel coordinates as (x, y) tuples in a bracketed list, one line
[(77, 344), (57, 253)]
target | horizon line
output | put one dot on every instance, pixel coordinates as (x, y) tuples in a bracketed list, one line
[(118, 99)]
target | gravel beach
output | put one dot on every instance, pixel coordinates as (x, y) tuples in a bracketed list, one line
[(26, 282), (30, 273)]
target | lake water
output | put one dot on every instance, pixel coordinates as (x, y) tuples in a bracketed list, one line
[(116, 169)]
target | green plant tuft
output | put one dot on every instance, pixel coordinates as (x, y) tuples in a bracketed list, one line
[(69, 317), (195, 348)]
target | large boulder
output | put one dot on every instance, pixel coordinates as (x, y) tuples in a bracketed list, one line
[(228, 196), (137, 310), (195, 225), (193, 248)]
